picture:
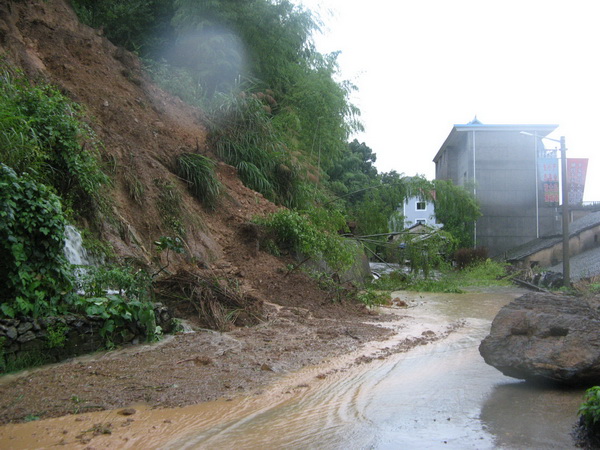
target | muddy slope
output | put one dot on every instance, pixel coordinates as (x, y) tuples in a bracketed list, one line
[(143, 130)]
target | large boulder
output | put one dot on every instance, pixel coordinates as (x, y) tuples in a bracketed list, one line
[(546, 336)]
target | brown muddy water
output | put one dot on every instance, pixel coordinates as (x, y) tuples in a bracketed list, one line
[(437, 395)]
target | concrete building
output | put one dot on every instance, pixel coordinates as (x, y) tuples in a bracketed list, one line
[(512, 175)]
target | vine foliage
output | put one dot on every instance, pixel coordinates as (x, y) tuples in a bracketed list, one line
[(34, 272)]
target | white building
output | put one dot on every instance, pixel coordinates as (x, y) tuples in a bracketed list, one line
[(417, 211)]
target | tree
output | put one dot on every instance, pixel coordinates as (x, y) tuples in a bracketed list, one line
[(457, 209), (142, 26)]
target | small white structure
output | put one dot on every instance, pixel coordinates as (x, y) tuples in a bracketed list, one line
[(418, 211)]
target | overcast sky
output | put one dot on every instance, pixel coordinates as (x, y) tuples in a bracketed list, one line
[(422, 66)]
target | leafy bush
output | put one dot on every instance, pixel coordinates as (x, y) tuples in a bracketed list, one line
[(310, 235), (485, 272), (198, 171), (371, 297), (57, 335), (117, 311), (34, 273), (427, 251), (43, 133), (119, 295), (590, 408)]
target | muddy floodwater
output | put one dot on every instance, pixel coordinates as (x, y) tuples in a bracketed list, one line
[(439, 394)]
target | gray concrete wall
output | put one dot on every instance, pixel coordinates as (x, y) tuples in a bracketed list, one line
[(504, 179)]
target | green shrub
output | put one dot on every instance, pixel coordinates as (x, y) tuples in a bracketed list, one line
[(119, 295), (34, 273), (43, 133), (199, 173), (590, 408), (57, 335), (487, 272), (395, 281), (300, 233), (371, 297)]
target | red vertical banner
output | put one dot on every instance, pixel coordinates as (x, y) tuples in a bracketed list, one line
[(576, 172), (548, 174)]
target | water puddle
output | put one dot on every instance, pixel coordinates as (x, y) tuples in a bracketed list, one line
[(426, 388)]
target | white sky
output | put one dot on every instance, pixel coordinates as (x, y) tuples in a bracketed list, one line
[(422, 66)]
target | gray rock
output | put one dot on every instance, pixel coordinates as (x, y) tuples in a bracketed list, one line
[(546, 336), (24, 327), (26, 337), (11, 332)]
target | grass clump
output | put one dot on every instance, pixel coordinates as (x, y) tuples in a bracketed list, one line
[(447, 279), (169, 206), (244, 135), (199, 173)]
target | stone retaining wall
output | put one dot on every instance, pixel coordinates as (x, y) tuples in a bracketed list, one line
[(54, 339)]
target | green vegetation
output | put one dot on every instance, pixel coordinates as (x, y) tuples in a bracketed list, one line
[(169, 206), (43, 133), (245, 136), (308, 235), (57, 335), (447, 279), (427, 251), (119, 295), (590, 408), (198, 172), (49, 161), (34, 273), (457, 209), (372, 297)]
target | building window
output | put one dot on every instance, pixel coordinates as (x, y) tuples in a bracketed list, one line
[(421, 206), (421, 222)]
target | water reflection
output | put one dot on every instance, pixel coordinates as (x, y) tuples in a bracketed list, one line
[(522, 414)]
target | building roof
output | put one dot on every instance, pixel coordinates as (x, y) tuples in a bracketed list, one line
[(531, 247), (453, 139)]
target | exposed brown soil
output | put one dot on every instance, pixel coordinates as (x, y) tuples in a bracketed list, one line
[(184, 369), (143, 129)]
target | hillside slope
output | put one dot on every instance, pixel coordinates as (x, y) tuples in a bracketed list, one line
[(143, 129)]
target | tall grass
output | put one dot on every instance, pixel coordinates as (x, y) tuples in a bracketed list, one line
[(199, 173), (243, 135)]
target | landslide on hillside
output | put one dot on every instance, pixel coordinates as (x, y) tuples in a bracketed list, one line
[(143, 130)]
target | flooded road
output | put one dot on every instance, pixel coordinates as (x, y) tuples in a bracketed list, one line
[(437, 395)]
